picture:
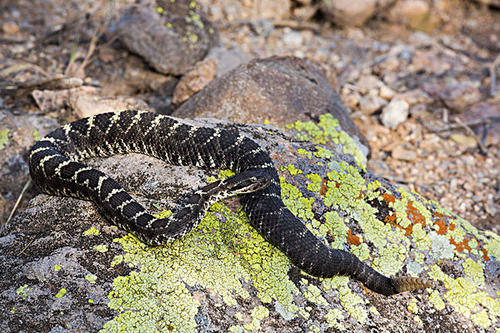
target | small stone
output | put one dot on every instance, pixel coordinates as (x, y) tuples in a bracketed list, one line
[(367, 83), (351, 99), (400, 153), (371, 103), (292, 38), (349, 12), (395, 113), (195, 80), (416, 96), (10, 28), (386, 93), (465, 140), (405, 11)]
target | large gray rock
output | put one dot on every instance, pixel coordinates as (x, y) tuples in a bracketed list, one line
[(64, 268)]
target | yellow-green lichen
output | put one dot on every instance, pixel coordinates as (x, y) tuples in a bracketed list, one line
[(412, 306), (361, 251), (436, 300), (295, 201), (57, 267), (313, 294), (420, 238), (492, 245), (23, 291), (92, 231), (474, 271), (118, 259), (236, 329), (218, 256), (293, 170), (36, 135), (464, 296), (302, 151), (101, 248), (91, 278), (316, 182), (61, 293), (258, 314), (323, 153), (4, 138), (328, 130), (334, 318)]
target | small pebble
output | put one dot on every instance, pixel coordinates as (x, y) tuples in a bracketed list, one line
[(395, 113)]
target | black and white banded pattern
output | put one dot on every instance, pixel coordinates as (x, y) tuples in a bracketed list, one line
[(56, 167)]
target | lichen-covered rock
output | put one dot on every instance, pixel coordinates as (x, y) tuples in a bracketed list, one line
[(273, 90), (170, 35), (65, 267)]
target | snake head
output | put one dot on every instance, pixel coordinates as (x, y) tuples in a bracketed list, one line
[(242, 184)]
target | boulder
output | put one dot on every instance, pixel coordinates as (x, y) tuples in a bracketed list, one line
[(65, 268), (171, 37)]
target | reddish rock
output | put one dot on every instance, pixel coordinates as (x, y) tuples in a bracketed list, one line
[(277, 89), (195, 80)]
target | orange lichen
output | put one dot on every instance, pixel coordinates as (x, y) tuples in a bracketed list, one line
[(485, 255), (414, 214), (415, 217), (409, 230), (352, 239), (441, 222), (361, 195), (391, 219), (462, 245), (443, 228), (388, 198), (324, 187)]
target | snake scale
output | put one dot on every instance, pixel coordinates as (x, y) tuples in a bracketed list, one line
[(56, 168)]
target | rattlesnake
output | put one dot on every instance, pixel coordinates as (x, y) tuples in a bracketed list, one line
[(55, 166)]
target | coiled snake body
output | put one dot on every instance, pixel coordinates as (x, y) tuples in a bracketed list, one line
[(55, 166)]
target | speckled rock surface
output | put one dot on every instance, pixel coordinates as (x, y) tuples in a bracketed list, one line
[(274, 90), (68, 269), (170, 35), (17, 133)]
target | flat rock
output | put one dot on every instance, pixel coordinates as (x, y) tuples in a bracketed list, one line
[(171, 36), (279, 90)]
